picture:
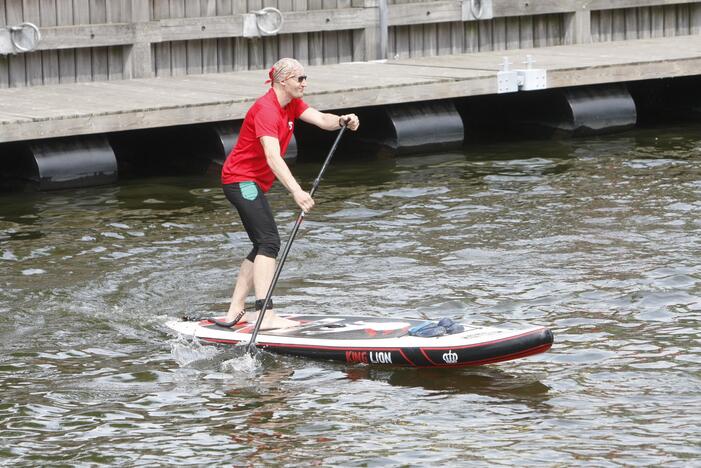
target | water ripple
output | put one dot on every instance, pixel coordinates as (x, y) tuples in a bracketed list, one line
[(596, 238)]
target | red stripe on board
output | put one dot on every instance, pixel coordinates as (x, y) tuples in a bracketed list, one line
[(401, 351), (428, 358), (217, 340)]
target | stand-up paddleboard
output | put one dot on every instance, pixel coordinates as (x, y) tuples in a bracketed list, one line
[(380, 341)]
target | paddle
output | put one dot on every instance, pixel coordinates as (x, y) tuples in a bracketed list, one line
[(286, 250)]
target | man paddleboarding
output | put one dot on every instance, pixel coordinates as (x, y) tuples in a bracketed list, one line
[(250, 170)]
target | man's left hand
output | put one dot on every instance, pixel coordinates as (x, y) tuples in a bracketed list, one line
[(350, 120)]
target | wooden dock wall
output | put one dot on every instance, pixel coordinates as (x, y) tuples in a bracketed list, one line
[(99, 40)]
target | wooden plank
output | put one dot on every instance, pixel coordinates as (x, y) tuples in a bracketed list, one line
[(402, 36), (391, 43), (4, 62), (225, 46), (271, 51), (301, 41), (345, 37), (162, 51), (472, 41), (607, 4), (457, 37), (540, 31), (657, 21), (505, 8), (403, 14), (66, 58), (578, 27), (430, 40), (209, 46), (241, 61), (485, 29), (695, 19), (83, 57), (414, 28), (102, 35), (178, 49), (114, 13), (605, 26), (49, 59), (683, 20), (330, 39), (632, 29), (513, 33), (256, 48), (526, 30), (286, 41), (100, 65), (670, 20), (360, 52), (138, 58), (269, 43), (555, 30), (618, 24), (596, 26), (193, 47), (368, 41), (444, 38), (16, 63), (316, 40), (33, 60), (416, 41), (644, 23), (498, 34)]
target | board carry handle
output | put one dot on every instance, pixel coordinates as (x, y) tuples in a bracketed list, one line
[(286, 250)]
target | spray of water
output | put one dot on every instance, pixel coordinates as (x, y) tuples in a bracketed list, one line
[(232, 362), (242, 363), (187, 351)]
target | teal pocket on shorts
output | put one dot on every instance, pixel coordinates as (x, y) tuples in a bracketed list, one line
[(249, 190)]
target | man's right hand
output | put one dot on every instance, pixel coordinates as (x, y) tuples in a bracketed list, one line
[(303, 200)]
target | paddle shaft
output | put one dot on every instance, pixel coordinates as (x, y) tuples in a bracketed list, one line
[(286, 250)]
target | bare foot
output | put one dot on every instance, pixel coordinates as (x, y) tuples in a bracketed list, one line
[(271, 320)]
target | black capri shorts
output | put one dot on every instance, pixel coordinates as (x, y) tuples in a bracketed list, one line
[(256, 216)]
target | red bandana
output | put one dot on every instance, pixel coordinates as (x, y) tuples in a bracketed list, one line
[(270, 74)]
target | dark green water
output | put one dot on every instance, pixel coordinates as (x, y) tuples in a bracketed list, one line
[(596, 238)]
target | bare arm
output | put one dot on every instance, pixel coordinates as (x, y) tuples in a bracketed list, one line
[(328, 121), (271, 147)]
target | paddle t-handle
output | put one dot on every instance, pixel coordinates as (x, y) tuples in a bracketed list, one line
[(252, 344)]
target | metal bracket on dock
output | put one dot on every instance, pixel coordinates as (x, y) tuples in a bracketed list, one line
[(523, 79), (21, 38), (265, 22), (473, 10)]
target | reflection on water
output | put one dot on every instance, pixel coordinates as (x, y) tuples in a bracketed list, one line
[(596, 238), (490, 381)]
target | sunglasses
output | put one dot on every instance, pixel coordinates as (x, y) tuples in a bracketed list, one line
[(300, 78)]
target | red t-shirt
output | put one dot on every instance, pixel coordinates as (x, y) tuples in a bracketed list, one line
[(247, 162)]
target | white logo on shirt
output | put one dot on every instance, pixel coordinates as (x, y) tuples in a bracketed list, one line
[(289, 124)]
